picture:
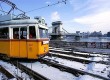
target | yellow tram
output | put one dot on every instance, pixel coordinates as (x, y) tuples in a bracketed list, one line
[(23, 38)]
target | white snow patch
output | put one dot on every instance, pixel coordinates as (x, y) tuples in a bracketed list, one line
[(99, 59), (69, 63), (50, 72), (97, 68), (87, 77)]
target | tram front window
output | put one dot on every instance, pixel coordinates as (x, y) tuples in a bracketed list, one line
[(32, 32), (43, 33)]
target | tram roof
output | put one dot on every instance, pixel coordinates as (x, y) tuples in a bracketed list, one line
[(19, 21)]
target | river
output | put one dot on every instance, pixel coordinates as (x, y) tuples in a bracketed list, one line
[(89, 39)]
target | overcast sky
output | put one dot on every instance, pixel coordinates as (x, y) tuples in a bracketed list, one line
[(76, 15)]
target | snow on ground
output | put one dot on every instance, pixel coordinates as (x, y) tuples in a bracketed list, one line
[(87, 77), (96, 68), (13, 70), (90, 58), (3, 77), (50, 72), (99, 59), (73, 64)]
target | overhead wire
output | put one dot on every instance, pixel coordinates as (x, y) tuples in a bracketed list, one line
[(7, 12), (12, 5), (15, 7), (63, 1)]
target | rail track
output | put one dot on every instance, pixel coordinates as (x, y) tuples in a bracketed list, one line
[(79, 53), (29, 71), (70, 58), (78, 59), (74, 71), (74, 50), (8, 74), (55, 64), (71, 53), (83, 58)]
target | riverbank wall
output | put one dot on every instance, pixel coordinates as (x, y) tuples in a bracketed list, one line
[(98, 45)]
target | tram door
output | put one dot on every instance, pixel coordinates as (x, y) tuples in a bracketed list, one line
[(15, 42), (23, 42), (19, 42)]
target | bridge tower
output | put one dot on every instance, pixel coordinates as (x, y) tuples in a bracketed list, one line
[(57, 31)]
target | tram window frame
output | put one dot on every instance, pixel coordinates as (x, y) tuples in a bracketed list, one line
[(32, 32), (4, 33)]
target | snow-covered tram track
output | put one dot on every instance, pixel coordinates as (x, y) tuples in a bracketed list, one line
[(29, 71), (51, 54), (42, 71), (10, 71), (6, 72), (79, 59), (45, 71), (71, 53), (78, 53), (50, 72), (74, 71), (54, 73), (14, 70)]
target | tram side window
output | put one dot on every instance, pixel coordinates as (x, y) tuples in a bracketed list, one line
[(23, 33), (4, 33), (32, 32), (43, 33), (15, 33)]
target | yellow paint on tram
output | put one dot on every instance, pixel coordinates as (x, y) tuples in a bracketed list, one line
[(31, 49)]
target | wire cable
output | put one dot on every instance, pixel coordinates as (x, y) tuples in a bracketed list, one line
[(12, 5), (23, 12), (63, 1)]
